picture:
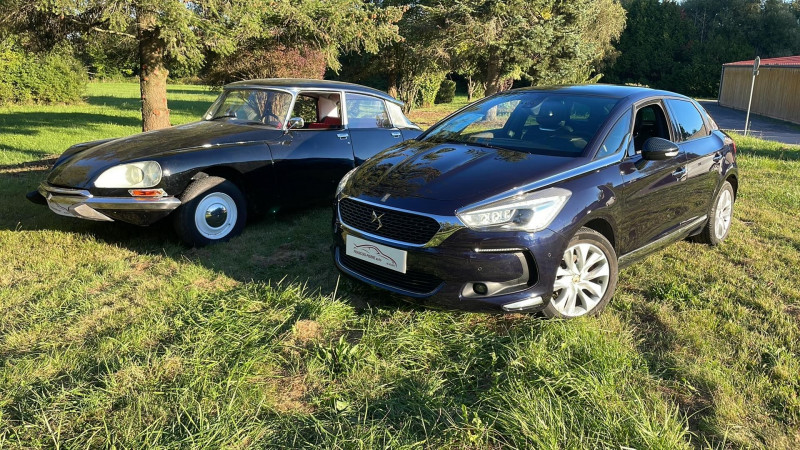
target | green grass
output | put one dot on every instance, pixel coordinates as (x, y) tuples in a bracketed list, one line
[(113, 335)]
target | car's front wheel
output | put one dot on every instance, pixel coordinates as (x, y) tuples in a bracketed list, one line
[(586, 278), (213, 210)]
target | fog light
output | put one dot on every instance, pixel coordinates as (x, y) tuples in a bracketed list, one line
[(523, 304), (480, 288)]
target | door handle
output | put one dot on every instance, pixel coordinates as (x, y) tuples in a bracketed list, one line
[(396, 134), (680, 173), (717, 157), (343, 136)]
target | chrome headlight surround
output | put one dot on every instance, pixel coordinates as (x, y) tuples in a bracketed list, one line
[(529, 212), (343, 182), (143, 174)]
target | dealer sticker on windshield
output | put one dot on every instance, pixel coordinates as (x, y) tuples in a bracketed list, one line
[(381, 255)]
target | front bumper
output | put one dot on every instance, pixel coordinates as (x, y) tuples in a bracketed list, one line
[(82, 204), (516, 267)]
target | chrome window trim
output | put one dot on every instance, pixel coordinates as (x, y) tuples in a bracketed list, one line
[(447, 224)]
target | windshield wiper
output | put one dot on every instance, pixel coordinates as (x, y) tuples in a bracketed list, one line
[(224, 116)]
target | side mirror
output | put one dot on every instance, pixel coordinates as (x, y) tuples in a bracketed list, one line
[(296, 122), (657, 149)]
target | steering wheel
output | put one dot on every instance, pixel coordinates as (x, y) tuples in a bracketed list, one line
[(268, 120)]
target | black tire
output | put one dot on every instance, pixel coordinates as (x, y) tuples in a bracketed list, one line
[(586, 302), (710, 234), (226, 207)]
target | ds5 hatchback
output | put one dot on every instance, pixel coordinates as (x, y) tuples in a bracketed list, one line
[(533, 199)]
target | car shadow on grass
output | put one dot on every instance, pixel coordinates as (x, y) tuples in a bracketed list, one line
[(290, 247)]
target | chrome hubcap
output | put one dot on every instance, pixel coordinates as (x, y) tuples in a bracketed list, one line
[(724, 214), (215, 215), (581, 280)]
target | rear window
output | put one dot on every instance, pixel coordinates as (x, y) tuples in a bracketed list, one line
[(533, 122)]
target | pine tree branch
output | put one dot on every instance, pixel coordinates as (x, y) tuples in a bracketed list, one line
[(118, 33)]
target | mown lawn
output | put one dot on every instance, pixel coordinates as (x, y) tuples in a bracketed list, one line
[(113, 335)]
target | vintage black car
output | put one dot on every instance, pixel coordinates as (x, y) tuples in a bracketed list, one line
[(533, 199), (263, 145)]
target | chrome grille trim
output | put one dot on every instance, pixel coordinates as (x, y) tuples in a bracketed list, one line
[(447, 224)]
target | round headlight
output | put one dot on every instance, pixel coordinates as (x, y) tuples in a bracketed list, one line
[(144, 174), (134, 175)]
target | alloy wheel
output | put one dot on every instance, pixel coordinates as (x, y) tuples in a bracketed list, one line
[(724, 213), (581, 280)]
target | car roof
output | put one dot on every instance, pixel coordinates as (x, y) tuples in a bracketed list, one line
[(302, 83), (632, 93)]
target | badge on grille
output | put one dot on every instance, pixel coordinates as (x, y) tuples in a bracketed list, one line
[(376, 218)]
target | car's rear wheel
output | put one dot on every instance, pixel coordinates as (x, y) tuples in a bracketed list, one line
[(213, 210), (719, 217), (586, 278)]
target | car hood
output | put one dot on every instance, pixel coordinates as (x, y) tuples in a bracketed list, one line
[(446, 171), (80, 168)]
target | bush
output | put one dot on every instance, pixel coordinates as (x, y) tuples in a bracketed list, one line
[(428, 87), (258, 60), (447, 92), (55, 77)]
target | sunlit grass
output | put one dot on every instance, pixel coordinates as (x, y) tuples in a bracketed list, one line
[(114, 335)]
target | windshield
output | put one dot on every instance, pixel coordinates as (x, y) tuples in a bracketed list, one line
[(533, 122), (263, 106)]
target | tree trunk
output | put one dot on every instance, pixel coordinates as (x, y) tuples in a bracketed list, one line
[(494, 80), (152, 73), (392, 89)]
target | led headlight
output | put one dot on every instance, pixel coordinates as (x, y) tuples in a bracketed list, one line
[(143, 174), (524, 212), (343, 181)]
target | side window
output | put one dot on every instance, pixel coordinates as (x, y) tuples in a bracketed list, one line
[(305, 107), (650, 122), (687, 119), (400, 120), (319, 110), (364, 111), (618, 138)]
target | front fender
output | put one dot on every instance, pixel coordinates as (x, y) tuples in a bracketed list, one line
[(77, 148), (249, 165)]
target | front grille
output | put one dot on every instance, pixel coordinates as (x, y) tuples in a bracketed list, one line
[(396, 225), (411, 281)]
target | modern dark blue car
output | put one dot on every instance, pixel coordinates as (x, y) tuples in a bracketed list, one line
[(533, 199), (262, 146)]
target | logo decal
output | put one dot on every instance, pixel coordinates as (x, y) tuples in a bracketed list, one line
[(375, 254), (377, 218)]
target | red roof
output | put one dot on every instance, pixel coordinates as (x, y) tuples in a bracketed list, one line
[(785, 61)]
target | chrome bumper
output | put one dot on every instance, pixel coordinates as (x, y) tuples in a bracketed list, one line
[(83, 205)]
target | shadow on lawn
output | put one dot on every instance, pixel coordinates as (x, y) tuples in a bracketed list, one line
[(654, 340), (31, 123), (288, 247), (186, 107), (785, 154)]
